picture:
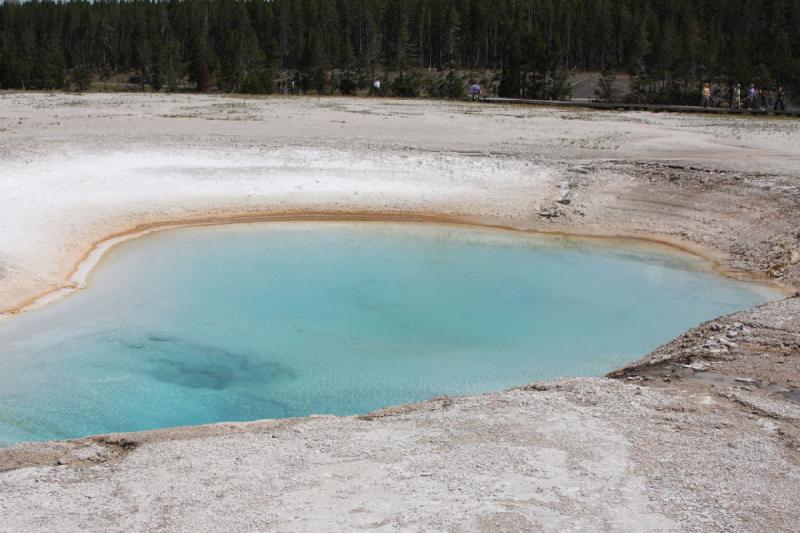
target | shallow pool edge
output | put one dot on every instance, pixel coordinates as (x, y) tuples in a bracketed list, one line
[(79, 274)]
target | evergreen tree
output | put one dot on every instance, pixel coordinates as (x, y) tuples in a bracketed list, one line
[(669, 47), (607, 90)]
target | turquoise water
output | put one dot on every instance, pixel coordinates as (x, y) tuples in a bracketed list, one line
[(287, 319)]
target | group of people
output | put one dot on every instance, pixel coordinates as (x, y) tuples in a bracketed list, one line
[(286, 86), (755, 98), (475, 90)]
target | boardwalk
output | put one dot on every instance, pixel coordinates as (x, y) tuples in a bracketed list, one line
[(656, 108)]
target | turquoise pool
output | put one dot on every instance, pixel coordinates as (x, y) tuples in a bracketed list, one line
[(286, 319)]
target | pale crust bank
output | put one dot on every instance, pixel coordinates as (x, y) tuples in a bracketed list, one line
[(703, 434)]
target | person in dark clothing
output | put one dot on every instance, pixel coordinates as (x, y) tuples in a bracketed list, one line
[(779, 100), (764, 98)]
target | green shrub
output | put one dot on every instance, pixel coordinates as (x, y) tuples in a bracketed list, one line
[(81, 78), (406, 85), (347, 86), (260, 82), (453, 86)]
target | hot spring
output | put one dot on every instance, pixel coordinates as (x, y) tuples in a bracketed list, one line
[(284, 319)]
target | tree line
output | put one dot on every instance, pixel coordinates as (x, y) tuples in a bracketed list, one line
[(526, 48)]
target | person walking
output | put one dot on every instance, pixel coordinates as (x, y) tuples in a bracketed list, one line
[(706, 95), (764, 98), (475, 92), (377, 86), (736, 100), (779, 99), (751, 96)]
